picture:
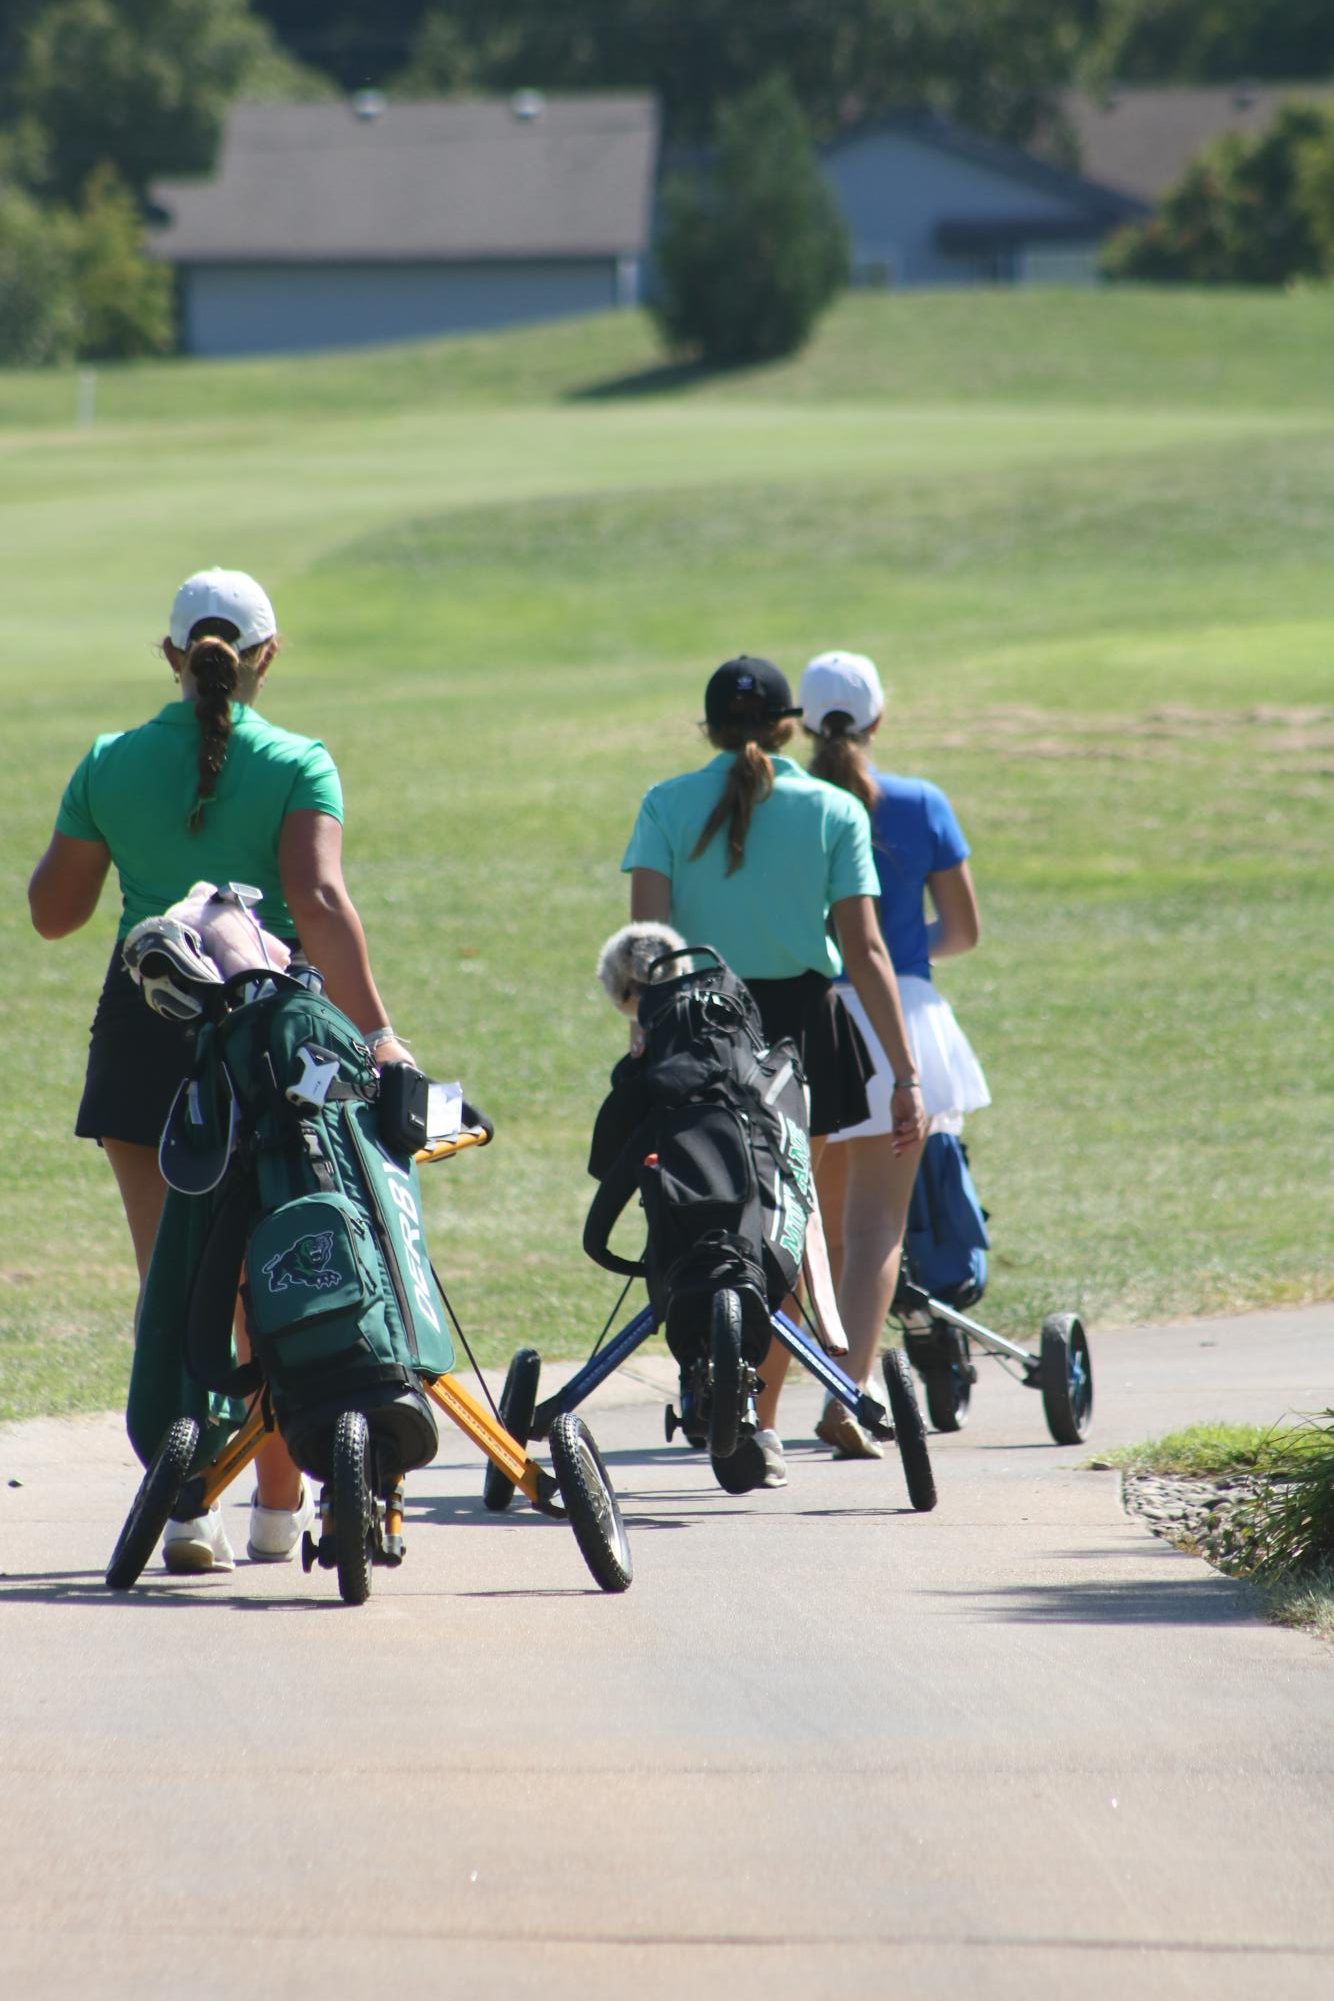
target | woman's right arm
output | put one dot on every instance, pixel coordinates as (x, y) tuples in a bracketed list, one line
[(957, 926), (66, 884), (310, 865), (650, 897)]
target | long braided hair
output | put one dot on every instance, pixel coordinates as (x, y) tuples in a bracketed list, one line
[(221, 676), (750, 779)]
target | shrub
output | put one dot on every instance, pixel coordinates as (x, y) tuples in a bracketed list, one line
[(1284, 1531), (38, 309), (125, 301), (1245, 212), (753, 249)]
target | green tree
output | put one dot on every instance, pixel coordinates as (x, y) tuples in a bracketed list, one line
[(38, 310), (142, 84), (996, 64), (1246, 211), (124, 299), (754, 249), (1212, 41)]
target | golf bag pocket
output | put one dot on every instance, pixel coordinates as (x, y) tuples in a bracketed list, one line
[(314, 1292), (701, 1202)]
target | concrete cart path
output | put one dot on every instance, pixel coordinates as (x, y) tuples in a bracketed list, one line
[(822, 1747)]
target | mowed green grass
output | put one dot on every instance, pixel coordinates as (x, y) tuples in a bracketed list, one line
[(1088, 539)]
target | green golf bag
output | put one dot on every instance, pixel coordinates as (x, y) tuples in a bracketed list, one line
[(293, 1183)]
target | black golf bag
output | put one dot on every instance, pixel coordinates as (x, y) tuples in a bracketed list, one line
[(709, 1126)]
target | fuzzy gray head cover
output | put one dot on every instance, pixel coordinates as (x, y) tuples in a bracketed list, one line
[(623, 966)]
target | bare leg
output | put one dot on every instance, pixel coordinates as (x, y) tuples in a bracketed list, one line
[(142, 1194), (878, 1185), (833, 1188)]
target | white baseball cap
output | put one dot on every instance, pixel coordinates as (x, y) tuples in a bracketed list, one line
[(228, 594), (841, 682)]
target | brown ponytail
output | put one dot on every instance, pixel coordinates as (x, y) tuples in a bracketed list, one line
[(841, 760), (750, 780), (215, 668)]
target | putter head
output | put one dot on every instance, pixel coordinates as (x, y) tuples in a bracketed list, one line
[(167, 962)]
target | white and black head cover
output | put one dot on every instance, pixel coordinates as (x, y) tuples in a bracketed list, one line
[(626, 958), (167, 961)]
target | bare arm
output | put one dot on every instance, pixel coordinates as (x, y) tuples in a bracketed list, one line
[(869, 967), (66, 884), (650, 897), (957, 927), (310, 863)]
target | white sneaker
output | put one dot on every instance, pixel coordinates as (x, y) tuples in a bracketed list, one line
[(275, 1533), (197, 1545), (771, 1451)]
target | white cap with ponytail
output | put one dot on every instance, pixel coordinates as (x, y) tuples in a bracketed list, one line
[(226, 594), (841, 684)]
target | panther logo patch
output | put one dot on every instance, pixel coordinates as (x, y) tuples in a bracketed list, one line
[(305, 1263)]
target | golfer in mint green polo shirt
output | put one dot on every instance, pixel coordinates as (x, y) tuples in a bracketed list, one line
[(204, 791), (759, 860)]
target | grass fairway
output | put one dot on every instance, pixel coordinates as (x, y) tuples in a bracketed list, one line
[(1087, 537)]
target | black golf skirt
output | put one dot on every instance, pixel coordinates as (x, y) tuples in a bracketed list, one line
[(136, 1061), (833, 1054)]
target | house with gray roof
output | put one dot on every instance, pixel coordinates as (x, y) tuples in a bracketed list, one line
[(930, 203), (333, 224), (1141, 139)]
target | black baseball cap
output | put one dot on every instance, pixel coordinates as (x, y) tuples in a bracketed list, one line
[(748, 689)]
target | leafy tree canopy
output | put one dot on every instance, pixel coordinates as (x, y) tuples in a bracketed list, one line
[(994, 63), (1212, 41), (143, 85)]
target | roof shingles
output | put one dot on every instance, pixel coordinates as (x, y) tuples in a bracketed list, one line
[(441, 181)]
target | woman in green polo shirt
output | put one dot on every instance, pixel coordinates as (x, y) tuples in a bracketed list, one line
[(756, 858), (205, 790)]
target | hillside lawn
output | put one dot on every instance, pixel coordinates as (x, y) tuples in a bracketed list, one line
[(1087, 537)]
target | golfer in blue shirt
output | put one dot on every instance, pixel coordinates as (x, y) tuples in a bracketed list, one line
[(921, 858)]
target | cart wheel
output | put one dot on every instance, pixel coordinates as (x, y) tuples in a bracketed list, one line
[(518, 1401), (949, 1387), (352, 1507), (725, 1403), (151, 1508), (1066, 1375), (590, 1502), (909, 1430)]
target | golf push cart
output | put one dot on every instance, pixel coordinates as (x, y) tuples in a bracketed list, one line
[(706, 1126), (944, 1272)]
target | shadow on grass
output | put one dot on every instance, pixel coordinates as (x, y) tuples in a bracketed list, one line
[(663, 379)]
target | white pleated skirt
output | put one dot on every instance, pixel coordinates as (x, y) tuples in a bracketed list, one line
[(952, 1080)]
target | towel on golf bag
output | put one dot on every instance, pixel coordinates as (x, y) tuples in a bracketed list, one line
[(946, 1240), (316, 1218), (709, 1125)]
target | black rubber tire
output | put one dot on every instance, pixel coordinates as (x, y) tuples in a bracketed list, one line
[(909, 1430), (351, 1494), (590, 1502), (949, 1388), (727, 1395), (518, 1401), (1066, 1373), (151, 1508)]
